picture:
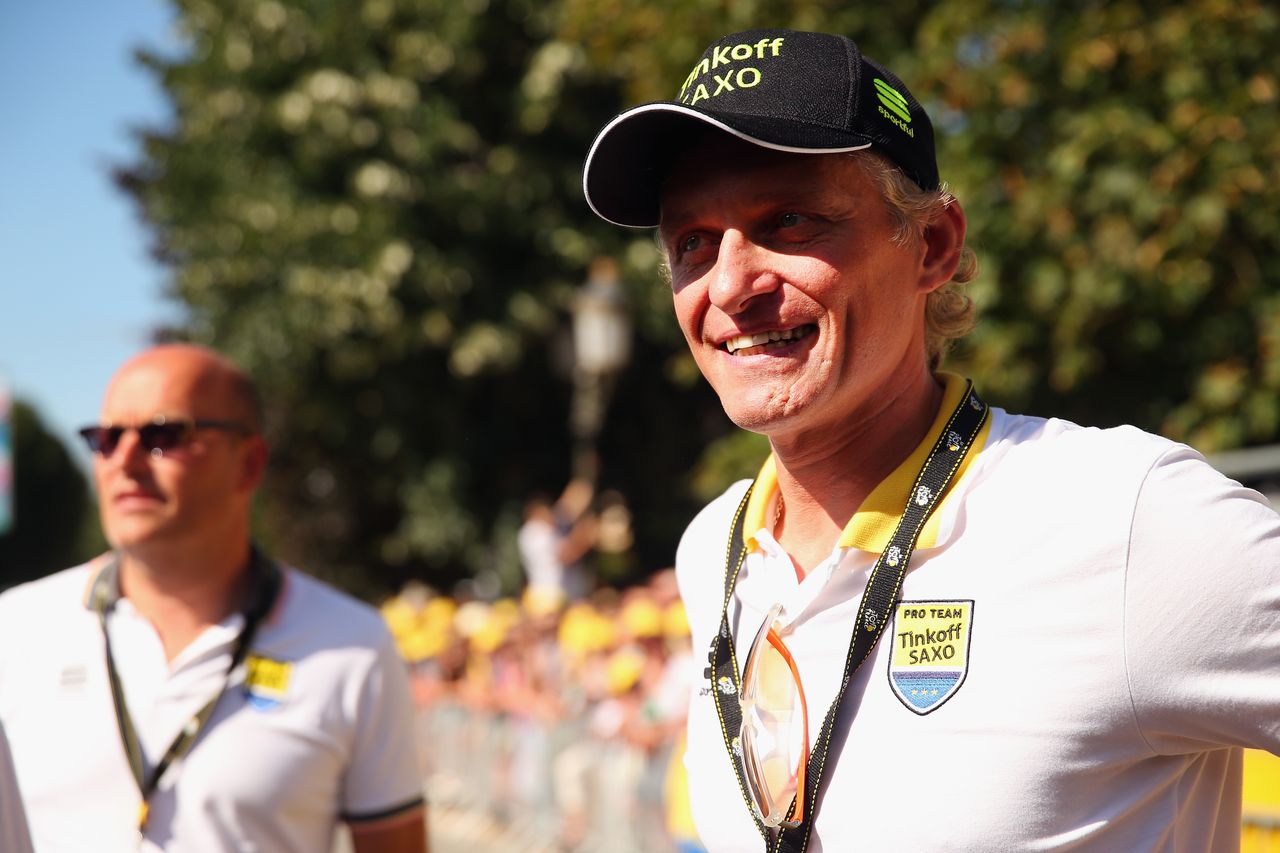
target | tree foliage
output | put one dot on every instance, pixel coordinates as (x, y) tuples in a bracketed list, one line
[(1120, 166), (53, 526), (376, 207)]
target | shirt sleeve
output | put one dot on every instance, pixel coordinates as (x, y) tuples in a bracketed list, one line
[(384, 777), (1202, 610)]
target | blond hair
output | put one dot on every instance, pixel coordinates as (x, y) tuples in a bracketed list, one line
[(949, 313)]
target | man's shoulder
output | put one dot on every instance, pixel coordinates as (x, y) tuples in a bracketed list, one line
[(1099, 472), (535, 533), (714, 519), (66, 588), (705, 539), (46, 611), (1061, 443), (312, 606)]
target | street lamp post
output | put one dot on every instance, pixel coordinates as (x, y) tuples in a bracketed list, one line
[(601, 349)]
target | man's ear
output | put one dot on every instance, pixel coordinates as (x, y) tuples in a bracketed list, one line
[(943, 241), (253, 463)]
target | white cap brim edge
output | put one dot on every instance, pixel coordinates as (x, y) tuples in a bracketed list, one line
[(680, 109)]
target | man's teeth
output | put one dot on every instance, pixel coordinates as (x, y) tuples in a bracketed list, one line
[(744, 341)]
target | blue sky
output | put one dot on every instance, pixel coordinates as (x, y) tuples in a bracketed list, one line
[(78, 291)]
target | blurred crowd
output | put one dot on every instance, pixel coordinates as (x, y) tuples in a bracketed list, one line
[(557, 721)]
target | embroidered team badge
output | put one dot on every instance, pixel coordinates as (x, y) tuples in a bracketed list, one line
[(930, 655), (266, 681)]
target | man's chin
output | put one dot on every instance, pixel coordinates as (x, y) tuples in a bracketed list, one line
[(134, 534), (765, 415), (761, 422)]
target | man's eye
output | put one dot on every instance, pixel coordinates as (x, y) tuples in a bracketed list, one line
[(790, 219), (690, 243)]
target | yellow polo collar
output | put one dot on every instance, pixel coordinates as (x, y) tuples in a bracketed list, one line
[(872, 525)]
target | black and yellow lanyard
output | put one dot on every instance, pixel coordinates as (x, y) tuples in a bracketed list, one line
[(266, 583), (883, 587)]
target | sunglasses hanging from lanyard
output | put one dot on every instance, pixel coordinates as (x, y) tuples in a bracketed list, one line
[(883, 588)]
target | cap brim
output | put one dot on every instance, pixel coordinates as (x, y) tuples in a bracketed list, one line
[(623, 174)]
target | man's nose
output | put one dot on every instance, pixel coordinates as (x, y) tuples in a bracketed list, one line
[(129, 454), (742, 273)]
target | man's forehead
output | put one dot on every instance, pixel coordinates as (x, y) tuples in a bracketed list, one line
[(153, 386), (752, 176)]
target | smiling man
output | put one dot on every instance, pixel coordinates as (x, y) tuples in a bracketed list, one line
[(929, 624), (186, 692)]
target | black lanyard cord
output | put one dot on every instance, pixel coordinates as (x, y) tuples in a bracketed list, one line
[(267, 580), (883, 588)]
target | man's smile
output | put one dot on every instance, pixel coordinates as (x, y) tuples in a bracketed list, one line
[(762, 342)]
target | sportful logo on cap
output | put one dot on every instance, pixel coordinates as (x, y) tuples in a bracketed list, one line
[(730, 79), (894, 107)]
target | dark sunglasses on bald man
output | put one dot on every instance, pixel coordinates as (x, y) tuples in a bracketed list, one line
[(159, 436)]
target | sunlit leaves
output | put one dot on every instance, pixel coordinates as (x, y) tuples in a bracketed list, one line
[(376, 205)]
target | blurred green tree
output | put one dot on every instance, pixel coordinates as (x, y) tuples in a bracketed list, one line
[(375, 206), (1120, 165), (51, 505)]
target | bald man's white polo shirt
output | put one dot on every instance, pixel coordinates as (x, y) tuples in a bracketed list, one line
[(1088, 634), (320, 731)]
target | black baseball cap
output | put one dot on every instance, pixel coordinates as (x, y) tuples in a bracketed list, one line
[(807, 93)]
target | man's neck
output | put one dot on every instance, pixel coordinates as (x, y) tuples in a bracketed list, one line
[(824, 478), (183, 597)]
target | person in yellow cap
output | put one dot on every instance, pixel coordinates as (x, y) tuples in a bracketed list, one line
[(929, 623)]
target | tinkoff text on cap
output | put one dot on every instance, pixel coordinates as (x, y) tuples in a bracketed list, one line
[(800, 92)]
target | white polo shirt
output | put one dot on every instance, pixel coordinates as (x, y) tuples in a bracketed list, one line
[(14, 837), (1088, 632), (321, 731)]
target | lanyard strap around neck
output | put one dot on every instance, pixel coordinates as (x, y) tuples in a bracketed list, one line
[(883, 588), (266, 579)]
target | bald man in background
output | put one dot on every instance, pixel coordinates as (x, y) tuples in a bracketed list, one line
[(185, 691)]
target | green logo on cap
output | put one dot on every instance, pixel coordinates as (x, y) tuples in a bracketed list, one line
[(893, 106)]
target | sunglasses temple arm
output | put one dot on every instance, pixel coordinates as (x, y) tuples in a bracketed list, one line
[(776, 642)]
